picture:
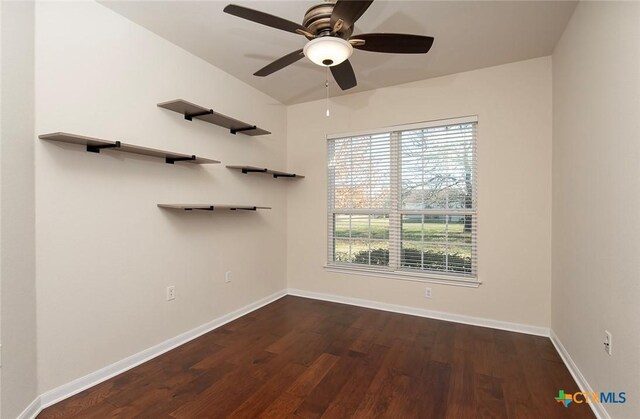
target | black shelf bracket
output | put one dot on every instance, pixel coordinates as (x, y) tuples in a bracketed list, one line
[(97, 148), (249, 128), (244, 209), (210, 208), (247, 170), (171, 160), (190, 116), (277, 175)]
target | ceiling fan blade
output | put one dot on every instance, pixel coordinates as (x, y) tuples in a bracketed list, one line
[(349, 11), (264, 18), (344, 75), (280, 63), (395, 43)]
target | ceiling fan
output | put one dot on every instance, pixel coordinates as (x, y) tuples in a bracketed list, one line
[(329, 28)]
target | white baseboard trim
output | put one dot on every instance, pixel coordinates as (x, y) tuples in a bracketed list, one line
[(32, 410), (421, 312), (598, 408), (76, 386)]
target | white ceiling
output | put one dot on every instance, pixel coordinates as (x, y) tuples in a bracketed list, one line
[(468, 35)]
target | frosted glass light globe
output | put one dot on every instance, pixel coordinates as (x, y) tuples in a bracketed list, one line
[(328, 51)]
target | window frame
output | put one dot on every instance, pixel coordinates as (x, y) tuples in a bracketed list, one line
[(395, 212)]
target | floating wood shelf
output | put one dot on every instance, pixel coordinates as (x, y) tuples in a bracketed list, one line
[(191, 110), (95, 145), (275, 173), (210, 207)]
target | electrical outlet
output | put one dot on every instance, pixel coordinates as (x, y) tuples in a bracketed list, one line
[(427, 293), (227, 276), (608, 343), (171, 293)]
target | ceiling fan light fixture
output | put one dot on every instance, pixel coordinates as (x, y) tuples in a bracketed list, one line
[(328, 51)]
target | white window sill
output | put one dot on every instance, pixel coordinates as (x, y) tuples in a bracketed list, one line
[(406, 276)]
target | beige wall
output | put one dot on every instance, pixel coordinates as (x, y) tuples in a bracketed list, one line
[(17, 261), (596, 196), (513, 104), (105, 252)]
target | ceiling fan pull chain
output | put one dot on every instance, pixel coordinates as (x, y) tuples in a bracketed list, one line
[(326, 85)]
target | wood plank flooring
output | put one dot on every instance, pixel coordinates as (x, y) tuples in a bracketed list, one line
[(304, 358)]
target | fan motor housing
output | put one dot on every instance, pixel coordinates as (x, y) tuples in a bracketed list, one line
[(318, 20)]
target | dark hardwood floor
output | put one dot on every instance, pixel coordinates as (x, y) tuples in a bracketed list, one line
[(304, 358)]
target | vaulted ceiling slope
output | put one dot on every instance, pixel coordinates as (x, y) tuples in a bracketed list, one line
[(468, 35)]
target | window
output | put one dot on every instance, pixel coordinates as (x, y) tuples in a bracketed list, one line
[(403, 201)]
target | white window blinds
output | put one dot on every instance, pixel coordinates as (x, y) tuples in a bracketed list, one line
[(405, 200)]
